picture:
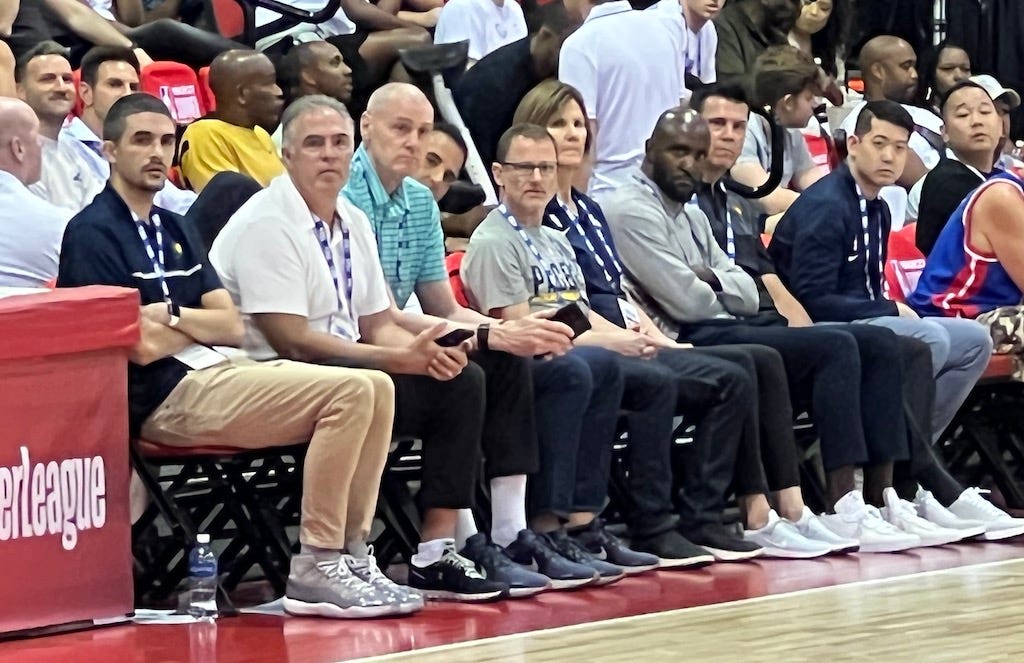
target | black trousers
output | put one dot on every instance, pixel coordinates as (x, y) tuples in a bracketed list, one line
[(449, 418), (167, 39), (825, 367), (510, 431)]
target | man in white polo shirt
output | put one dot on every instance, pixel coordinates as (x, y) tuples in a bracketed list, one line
[(628, 65), (301, 263), (30, 228), (487, 24), (701, 37)]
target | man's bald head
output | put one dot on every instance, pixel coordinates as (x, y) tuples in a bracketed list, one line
[(889, 67), (398, 117), (676, 151), (20, 153), (244, 84)]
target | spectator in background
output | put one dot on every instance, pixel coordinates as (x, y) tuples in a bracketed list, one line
[(486, 24), (941, 68), (487, 95), (747, 27), (786, 80), (701, 38), (30, 228), (235, 137), (46, 83), (823, 32), (109, 73), (313, 67), (972, 129), (80, 26), (611, 60)]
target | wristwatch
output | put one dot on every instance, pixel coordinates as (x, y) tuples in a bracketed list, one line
[(482, 333), (174, 312)]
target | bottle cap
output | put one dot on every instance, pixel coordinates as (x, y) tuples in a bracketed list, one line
[(202, 538)]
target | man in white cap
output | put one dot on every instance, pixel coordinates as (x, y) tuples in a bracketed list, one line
[(974, 137)]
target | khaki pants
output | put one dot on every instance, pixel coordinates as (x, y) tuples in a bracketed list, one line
[(346, 415)]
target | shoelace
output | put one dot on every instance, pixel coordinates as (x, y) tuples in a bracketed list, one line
[(338, 572), (452, 558), (573, 550), (974, 498)]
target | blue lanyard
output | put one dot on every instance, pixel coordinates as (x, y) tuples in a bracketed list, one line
[(866, 228), (156, 258), (730, 236), (546, 266), (325, 246), (577, 224)]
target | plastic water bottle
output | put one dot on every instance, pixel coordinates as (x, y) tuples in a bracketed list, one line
[(202, 580)]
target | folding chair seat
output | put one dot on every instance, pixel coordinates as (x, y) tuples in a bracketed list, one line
[(177, 86), (244, 497), (205, 91)]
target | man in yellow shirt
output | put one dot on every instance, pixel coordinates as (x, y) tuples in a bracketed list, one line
[(236, 136)]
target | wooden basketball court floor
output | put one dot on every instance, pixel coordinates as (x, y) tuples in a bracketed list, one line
[(953, 603)]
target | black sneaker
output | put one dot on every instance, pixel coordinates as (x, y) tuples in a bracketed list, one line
[(497, 565), (723, 542), (673, 550), (573, 551), (534, 551), (454, 578), (602, 544)]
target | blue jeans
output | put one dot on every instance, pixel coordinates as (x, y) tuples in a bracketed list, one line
[(576, 405), (961, 350)]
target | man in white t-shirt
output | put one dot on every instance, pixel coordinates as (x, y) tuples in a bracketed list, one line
[(30, 228), (701, 37), (628, 65), (487, 24), (301, 263)]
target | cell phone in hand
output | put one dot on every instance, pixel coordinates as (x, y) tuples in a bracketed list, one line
[(454, 338), (573, 316)]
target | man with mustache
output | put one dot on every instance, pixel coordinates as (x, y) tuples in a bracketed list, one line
[(45, 82)]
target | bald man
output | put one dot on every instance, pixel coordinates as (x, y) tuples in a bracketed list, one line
[(236, 136), (889, 69), (30, 228)]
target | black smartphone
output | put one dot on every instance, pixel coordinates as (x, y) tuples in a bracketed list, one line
[(454, 338), (573, 316)]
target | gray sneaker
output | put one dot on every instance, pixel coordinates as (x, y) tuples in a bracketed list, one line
[(366, 569), (325, 587)]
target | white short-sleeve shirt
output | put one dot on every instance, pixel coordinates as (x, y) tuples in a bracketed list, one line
[(270, 260), (486, 25), (339, 24), (701, 46), (31, 231), (628, 65)]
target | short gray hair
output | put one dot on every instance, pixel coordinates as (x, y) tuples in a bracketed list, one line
[(303, 105)]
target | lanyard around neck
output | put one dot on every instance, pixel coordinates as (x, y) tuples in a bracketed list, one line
[(548, 267), (730, 233), (320, 228), (866, 228), (156, 257), (577, 225)]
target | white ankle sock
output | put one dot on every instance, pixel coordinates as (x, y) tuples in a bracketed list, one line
[(465, 528), (429, 552), (508, 508)]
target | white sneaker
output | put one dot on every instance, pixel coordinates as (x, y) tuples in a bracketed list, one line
[(854, 519), (780, 538), (903, 514), (811, 527), (932, 510), (998, 524)]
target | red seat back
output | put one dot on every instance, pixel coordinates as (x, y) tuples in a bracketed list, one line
[(76, 110), (177, 86), (453, 262), (205, 91), (904, 263), (229, 18)]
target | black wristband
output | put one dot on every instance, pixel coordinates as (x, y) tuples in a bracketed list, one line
[(482, 334)]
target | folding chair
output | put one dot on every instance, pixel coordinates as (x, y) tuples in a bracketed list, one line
[(177, 86)]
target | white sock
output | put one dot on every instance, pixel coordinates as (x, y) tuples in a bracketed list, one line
[(508, 508), (465, 528), (429, 552)]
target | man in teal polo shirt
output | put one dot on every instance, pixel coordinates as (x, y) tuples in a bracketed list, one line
[(410, 243)]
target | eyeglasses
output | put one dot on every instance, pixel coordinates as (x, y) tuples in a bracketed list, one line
[(525, 168)]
